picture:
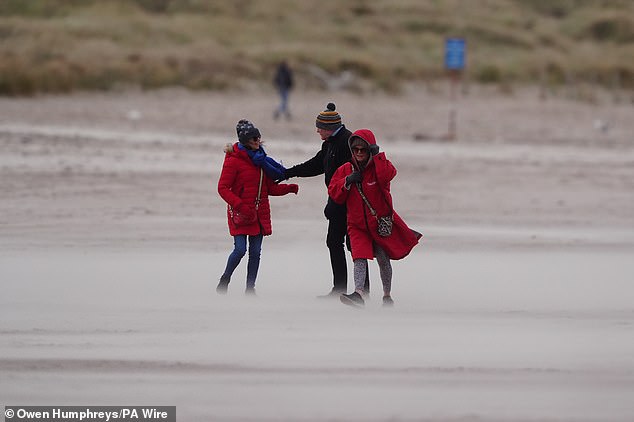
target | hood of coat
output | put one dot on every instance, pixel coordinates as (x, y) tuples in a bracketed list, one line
[(365, 135), (236, 149)]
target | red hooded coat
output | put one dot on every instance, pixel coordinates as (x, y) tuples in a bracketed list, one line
[(238, 186), (362, 225)]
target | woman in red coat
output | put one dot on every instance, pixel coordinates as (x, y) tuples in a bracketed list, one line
[(246, 181), (368, 175)]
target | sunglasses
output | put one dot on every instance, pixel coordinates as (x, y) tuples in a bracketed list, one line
[(359, 149)]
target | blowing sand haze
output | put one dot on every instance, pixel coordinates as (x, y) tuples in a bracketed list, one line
[(516, 306)]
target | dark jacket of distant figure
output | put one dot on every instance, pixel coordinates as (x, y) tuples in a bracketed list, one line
[(283, 77)]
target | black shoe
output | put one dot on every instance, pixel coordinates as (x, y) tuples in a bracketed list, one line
[(333, 294), (250, 291), (353, 299), (388, 302), (223, 285)]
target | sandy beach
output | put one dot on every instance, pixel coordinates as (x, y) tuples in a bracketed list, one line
[(517, 306)]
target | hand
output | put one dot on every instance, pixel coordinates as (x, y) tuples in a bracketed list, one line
[(282, 177), (294, 188), (354, 177)]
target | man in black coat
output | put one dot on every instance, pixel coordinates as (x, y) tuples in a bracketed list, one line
[(334, 152)]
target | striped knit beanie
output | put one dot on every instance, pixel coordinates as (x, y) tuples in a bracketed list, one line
[(328, 119)]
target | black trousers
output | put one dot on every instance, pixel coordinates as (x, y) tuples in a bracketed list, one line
[(335, 239)]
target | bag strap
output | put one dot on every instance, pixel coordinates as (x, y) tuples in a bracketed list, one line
[(257, 200), (372, 211)]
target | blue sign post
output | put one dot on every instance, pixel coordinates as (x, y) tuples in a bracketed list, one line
[(455, 52), (455, 49)]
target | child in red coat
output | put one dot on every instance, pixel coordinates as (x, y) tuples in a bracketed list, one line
[(374, 228)]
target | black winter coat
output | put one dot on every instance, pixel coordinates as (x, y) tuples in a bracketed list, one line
[(283, 77), (333, 154)]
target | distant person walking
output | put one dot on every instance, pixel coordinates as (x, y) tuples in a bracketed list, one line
[(283, 81), (333, 153), (246, 181), (375, 229)]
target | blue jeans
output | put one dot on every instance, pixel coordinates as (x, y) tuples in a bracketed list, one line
[(239, 250)]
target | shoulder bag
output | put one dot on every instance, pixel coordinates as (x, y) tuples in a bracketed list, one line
[(384, 224), (245, 219)]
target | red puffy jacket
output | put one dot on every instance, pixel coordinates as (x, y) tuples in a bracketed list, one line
[(238, 186), (362, 226)]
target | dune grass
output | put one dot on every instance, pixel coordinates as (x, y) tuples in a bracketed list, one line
[(66, 45)]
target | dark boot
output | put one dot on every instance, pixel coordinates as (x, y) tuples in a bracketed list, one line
[(353, 299), (333, 294), (223, 285)]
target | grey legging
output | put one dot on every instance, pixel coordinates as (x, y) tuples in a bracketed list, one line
[(385, 270)]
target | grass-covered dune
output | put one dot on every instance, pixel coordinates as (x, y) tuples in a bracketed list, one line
[(66, 45)]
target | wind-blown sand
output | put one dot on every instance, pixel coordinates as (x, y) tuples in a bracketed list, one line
[(517, 306)]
